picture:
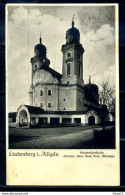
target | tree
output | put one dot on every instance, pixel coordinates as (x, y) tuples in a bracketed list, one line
[(107, 95)]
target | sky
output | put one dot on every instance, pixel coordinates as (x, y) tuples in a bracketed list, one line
[(24, 25)]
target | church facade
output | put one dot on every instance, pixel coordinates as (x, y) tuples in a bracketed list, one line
[(60, 98)]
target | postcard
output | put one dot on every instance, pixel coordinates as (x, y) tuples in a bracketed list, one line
[(62, 95)]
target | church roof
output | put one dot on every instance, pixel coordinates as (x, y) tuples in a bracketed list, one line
[(12, 114), (73, 34), (52, 71), (91, 91), (40, 47), (38, 110), (34, 109), (66, 112)]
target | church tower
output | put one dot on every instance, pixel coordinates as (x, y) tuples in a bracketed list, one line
[(72, 69), (72, 84), (39, 58), (37, 62), (44, 81)]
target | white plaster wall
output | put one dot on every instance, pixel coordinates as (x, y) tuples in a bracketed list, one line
[(22, 107), (60, 116), (92, 113)]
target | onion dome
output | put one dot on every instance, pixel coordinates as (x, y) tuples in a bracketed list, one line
[(73, 34), (91, 92), (92, 87), (40, 49)]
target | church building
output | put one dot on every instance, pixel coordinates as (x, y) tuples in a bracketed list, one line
[(60, 98)]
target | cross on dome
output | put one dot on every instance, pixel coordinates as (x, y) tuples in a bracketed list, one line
[(89, 79), (73, 21), (40, 39)]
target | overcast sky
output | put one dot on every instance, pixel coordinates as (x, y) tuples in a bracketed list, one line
[(97, 35)]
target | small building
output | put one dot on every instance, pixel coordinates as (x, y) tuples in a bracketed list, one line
[(60, 98), (12, 116), (12, 119)]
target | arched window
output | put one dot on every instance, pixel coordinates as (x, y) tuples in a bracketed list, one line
[(41, 105), (68, 68), (79, 70), (69, 54), (41, 93), (49, 105), (49, 92), (79, 56)]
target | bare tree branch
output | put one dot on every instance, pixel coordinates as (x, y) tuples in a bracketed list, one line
[(107, 94)]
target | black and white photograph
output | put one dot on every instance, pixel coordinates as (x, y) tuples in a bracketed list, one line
[(62, 76)]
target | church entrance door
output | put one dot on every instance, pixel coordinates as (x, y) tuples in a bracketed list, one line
[(23, 119), (91, 120)]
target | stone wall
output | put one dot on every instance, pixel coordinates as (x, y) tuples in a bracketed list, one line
[(67, 98), (80, 99), (45, 99)]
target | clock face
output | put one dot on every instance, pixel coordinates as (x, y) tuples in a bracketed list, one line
[(70, 38), (36, 65), (37, 52)]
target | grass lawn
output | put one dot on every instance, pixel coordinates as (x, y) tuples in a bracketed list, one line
[(61, 138)]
